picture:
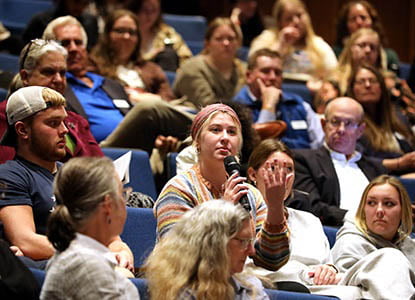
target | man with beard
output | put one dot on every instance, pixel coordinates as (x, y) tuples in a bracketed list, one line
[(43, 63), (36, 127), (263, 95), (104, 103), (336, 174)]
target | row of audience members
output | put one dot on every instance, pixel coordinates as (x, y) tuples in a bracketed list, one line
[(90, 213), (44, 63)]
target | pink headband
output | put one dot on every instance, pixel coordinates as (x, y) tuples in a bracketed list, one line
[(202, 116)]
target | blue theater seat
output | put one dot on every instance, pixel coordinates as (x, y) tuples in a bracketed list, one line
[(409, 184), (9, 62), (16, 14), (141, 176), (140, 233), (191, 28)]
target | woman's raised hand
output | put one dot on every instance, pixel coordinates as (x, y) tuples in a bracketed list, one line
[(276, 177)]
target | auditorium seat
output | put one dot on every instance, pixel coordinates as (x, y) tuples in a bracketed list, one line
[(191, 28), (140, 233), (141, 176)]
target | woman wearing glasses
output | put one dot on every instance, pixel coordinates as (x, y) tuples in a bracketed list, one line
[(89, 215), (203, 256), (117, 56), (387, 134), (358, 14), (362, 47)]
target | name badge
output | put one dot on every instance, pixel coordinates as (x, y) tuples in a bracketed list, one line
[(121, 103), (299, 124)]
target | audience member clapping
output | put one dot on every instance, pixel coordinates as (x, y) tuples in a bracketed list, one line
[(90, 214), (376, 252), (217, 236)]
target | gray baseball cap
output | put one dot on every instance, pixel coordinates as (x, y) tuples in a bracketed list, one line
[(22, 104)]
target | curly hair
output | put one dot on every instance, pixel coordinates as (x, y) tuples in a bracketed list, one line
[(193, 255), (405, 228), (341, 26), (103, 54)]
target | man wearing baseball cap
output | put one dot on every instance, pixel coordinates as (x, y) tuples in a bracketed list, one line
[(35, 116), (37, 131)]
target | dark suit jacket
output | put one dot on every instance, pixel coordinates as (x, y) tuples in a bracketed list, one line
[(111, 87), (315, 174)]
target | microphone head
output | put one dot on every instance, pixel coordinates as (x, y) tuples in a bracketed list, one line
[(231, 165)]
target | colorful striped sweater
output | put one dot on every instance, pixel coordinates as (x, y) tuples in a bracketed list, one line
[(188, 189)]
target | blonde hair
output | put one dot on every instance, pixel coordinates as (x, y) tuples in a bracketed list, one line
[(405, 228), (316, 56), (193, 256), (53, 97), (196, 140), (345, 65)]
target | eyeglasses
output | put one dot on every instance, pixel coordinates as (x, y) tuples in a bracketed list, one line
[(362, 81), (348, 124), (66, 43), (126, 193), (123, 30), (245, 243), (36, 42)]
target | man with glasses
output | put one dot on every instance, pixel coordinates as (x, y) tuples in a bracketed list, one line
[(336, 174), (114, 121), (263, 95)]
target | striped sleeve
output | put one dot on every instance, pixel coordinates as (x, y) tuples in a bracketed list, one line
[(174, 200), (272, 249)]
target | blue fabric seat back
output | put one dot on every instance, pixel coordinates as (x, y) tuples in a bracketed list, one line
[(191, 28), (140, 233), (171, 165), (331, 234), (141, 176), (409, 184), (16, 14), (9, 62), (299, 89)]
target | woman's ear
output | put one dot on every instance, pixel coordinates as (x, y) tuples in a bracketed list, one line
[(251, 174)]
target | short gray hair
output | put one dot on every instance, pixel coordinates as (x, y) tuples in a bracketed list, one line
[(49, 33), (33, 52)]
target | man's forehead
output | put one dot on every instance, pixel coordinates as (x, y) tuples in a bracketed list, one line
[(67, 31), (267, 61)]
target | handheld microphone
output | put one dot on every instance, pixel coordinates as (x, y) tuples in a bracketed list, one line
[(231, 167)]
